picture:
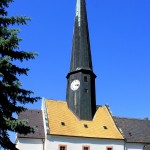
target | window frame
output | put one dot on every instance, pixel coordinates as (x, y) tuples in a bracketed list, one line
[(109, 147), (85, 146), (62, 145)]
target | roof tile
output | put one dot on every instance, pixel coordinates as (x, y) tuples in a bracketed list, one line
[(35, 119), (147, 147), (134, 130), (58, 112)]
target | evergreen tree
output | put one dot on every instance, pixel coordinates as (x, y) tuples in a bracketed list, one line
[(12, 95)]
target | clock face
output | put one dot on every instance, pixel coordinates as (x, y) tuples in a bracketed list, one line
[(75, 85)]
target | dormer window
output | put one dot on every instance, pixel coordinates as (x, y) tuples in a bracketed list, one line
[(62, 123), (130, 133), (105, 127), (85, 125)]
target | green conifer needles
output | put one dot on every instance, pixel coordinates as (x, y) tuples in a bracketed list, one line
[(12, 96)]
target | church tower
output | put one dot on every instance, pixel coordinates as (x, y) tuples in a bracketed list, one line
[(81, 98)]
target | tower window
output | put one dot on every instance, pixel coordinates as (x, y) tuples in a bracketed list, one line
[(86, 90), (85, 79)]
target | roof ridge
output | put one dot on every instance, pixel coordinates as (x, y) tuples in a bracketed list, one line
[(130, 118)]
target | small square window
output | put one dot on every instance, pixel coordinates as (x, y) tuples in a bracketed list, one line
[(86, 90), (109, 148), (86, 148), (62, 147)]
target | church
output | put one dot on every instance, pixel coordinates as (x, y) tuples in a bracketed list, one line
[(78, 123)]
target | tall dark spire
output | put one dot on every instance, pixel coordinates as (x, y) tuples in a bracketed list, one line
[(81, 54), (81, 79)]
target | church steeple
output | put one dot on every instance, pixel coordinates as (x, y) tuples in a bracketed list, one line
[(81, 54), (81, 79)]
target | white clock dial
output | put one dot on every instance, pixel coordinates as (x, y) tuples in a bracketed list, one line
[(75, 85)]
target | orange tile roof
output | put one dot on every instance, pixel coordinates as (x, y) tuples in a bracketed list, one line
[(58, 112)]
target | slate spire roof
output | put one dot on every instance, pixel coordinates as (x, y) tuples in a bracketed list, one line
[(81, 53)]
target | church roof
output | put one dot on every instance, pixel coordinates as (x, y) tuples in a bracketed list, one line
[(35, 119), (62, 121), (134, 130), (147, 147)]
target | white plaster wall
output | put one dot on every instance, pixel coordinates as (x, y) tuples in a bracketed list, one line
[(134, 146), (29, 144), (74, 143)]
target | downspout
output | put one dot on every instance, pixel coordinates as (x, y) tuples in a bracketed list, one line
[(43, 141), (125, 148)]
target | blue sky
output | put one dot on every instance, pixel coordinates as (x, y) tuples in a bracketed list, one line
[(120, 45)]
